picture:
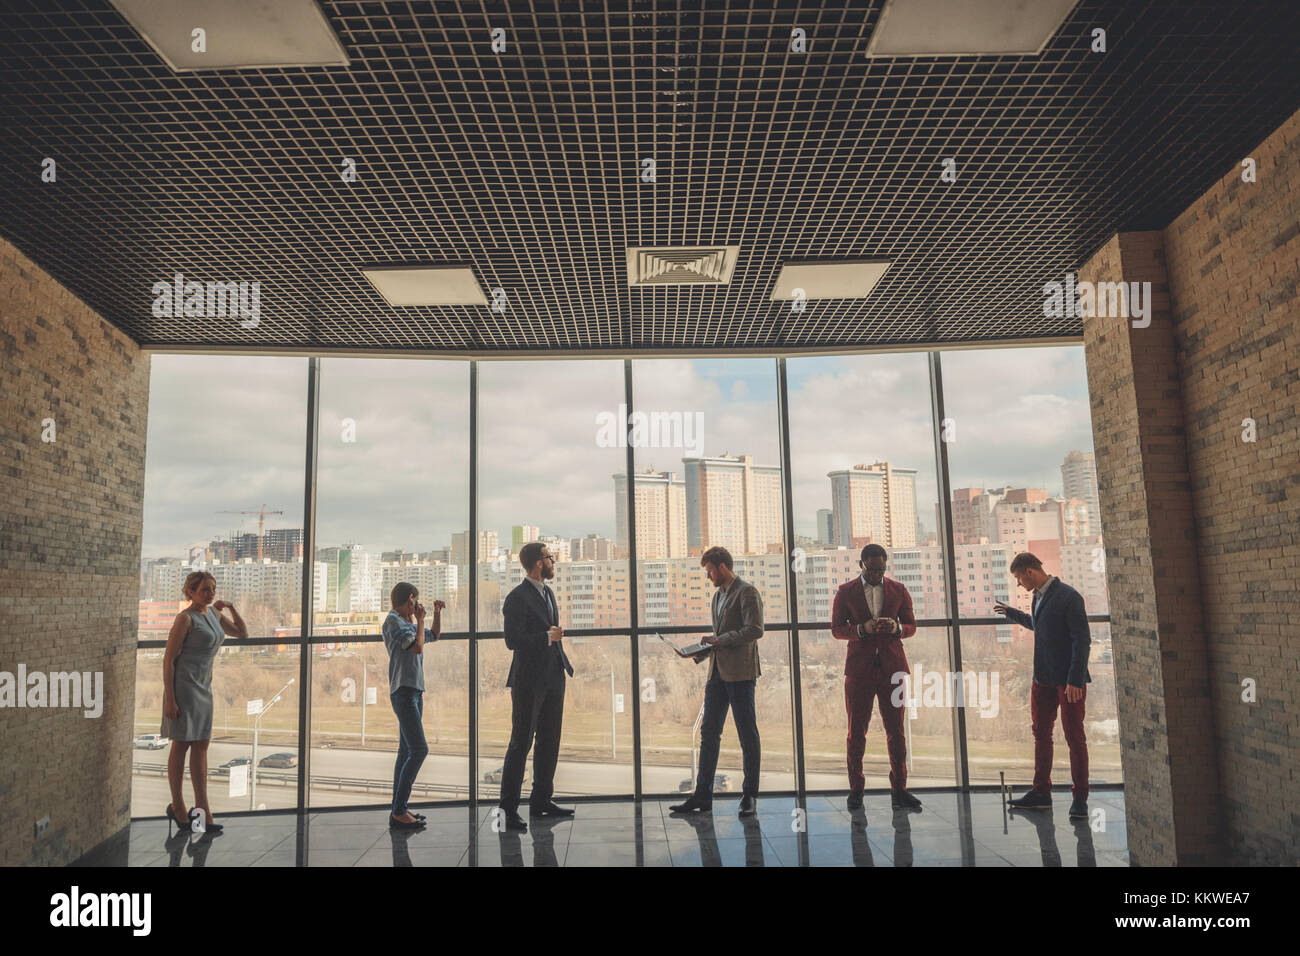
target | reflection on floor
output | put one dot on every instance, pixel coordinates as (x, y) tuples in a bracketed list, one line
[(951, 830)]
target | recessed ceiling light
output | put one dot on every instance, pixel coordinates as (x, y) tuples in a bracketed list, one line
[(967, 27), (828, 280), (426, 285), (237, 34)]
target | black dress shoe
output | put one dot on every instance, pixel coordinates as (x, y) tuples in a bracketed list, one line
[(396, 824), (515, 822), (1079, 809), (692, 805), (548, 809), (1033, 800), (855, 800), (902, 800), (748, 806)]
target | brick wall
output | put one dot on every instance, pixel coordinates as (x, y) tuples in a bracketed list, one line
[(1233, 259), (1203, 557), (69, 559), (1144, 487)]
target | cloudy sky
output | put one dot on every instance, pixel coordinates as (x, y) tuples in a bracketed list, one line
[(227, 433)]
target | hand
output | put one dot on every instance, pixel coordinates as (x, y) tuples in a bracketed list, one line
[(555, 634), (438, 606), (419, 612), (999, 607), (1073, 694), (710, 640), (171, 709), (220, 606)]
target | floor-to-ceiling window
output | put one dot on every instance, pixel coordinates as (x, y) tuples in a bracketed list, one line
[(706, 436), (224, 474), (406, 490), (392, 493), (1023, 478), (863, 472), (546, 466)]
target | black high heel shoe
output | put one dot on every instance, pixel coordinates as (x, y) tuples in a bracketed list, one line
[(181, 827), (213, 828)]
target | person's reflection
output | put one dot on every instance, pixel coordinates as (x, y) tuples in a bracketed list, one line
[(753, 841), (702, 823), (902, 838), (858, 838), (544, 840), (1087, 853), (1045, 826), (197, 850), (512, 851), (401, 849), (175, 847)]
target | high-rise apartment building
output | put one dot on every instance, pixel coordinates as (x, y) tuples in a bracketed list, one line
[(660, 503), (734, 503), (873, 503)]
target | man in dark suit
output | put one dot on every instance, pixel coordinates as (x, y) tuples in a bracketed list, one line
[(1061, 646), (733, 674), (874, 614), (536, 685)]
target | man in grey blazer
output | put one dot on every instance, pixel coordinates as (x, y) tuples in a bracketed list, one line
[(733, 673)]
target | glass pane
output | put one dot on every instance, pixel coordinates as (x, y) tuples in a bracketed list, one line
[(596, 740), (999, 736), (354, 750), (928, 724), (548, 452), (268, 742), (224, 467), (672, 701), (1022, 472), (863, 472), (392, 490), (707, 473)]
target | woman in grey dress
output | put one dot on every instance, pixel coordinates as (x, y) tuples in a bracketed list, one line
[(196, 636)]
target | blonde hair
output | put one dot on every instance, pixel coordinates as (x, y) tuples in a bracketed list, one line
[(194, 579)]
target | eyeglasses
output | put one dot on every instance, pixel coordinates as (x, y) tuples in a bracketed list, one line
[(548, 557)]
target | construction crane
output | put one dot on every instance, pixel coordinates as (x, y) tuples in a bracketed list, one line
[(261, 522)]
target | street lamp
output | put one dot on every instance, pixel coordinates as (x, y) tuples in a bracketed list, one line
[(257, 724)]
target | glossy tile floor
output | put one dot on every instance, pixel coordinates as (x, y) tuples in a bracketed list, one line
[(951, 830)]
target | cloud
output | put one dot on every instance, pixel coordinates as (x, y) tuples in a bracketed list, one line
[(227, 433)]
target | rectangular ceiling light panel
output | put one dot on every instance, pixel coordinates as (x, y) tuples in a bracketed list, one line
[(237, 34), (426, 285), (967, 27), (828, 280)]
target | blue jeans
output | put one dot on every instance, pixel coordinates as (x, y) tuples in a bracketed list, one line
[(408, 705), (718, 695)]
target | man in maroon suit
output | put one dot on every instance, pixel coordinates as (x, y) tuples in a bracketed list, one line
[(874, 614)]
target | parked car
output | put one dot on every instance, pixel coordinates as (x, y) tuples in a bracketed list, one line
[(494, 776), (151, 742), (721, 784), (237, 762), (279, 760)]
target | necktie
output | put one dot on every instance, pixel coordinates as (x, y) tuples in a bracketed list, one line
[(555, 620)]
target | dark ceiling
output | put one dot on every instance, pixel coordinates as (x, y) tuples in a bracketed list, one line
[(526, 165)]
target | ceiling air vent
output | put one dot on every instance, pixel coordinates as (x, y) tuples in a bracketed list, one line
[(680, 265)]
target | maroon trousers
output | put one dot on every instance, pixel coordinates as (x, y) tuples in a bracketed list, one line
[(861, 689), (1044, 699)]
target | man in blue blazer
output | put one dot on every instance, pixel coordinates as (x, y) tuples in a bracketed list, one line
[(536, 685), (1061, 644)]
